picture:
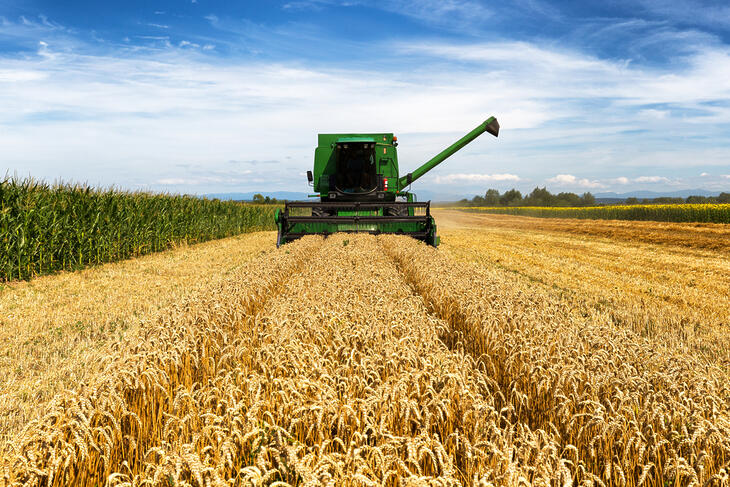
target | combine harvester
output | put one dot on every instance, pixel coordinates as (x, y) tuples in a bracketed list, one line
[(359, 189)]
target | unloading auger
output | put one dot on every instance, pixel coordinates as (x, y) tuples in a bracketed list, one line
[(360, 190)]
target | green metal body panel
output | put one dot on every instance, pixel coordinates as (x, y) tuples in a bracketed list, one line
[(357, 179), (386, 158)]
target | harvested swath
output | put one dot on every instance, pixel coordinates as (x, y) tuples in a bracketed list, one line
[(113, 425), (359, 380), (712, 236), (625, 410), (355, 387), (677, 298), (363, 360), (699, 212)]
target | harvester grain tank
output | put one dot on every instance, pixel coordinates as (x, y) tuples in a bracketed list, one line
[(360, 189)]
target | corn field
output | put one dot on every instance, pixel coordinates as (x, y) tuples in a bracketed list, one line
[(46, 228), (701, 213), (363, 360)]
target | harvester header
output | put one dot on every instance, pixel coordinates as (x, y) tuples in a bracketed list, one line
[(357, 180)]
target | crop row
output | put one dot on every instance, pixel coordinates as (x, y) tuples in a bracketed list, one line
[(340, 377), (701, 213), (46, 228), (362, 360), (621, 409), (133, 413)]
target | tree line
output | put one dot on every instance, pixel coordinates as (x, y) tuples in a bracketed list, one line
[(260, 199), (721, 198), (543, 197), (538, 197)]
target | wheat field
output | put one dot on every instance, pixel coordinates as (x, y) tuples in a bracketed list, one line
[(697, 212), (509, 356)]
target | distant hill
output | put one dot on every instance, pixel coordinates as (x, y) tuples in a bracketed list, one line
[(279, 195), (438, 196), (423, 195), (428, 195), (654, 194)]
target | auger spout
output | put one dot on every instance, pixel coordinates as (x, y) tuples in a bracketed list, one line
[(490, 125)]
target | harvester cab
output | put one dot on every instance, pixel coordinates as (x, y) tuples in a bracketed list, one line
[(360, 189)]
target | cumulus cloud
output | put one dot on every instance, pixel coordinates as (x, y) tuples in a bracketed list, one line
[(640, 179), (570, 180), (725, 176), (173, 181), (474, 178), (142, 111), (651, 179), (704, 174)]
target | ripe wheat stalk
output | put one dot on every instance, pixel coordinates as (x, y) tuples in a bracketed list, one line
[(359, 360)]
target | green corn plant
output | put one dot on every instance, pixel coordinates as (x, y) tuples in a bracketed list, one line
[(48, 228)]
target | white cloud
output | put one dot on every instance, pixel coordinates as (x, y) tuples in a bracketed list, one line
[(143, 111), (725, 176), (454, 13), (651, 179), (571, 77), (457, 14), (474, 178), (20, 75), (640, 179), (681, 10), (172, 181), (653, 114), (44, 52), (704, 174), (570, 180)]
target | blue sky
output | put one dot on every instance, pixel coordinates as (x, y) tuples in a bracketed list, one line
[(202, 96)]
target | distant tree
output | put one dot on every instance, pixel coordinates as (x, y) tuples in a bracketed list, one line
[(698, 199), (491, 197), (511, 198), (266, 200), (632, 201), (723, 198), (568, 199), (666, 200), (540, 197), (588, 199)]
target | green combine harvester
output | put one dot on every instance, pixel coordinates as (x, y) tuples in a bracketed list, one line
[(360, 189)]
